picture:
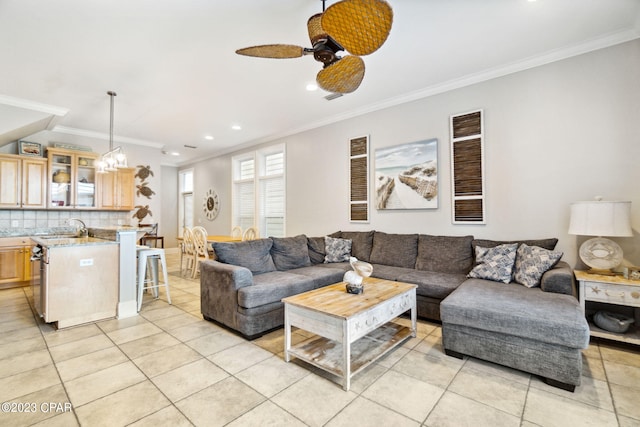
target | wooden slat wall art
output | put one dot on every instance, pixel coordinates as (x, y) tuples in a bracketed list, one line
[(467, 168), (359, 179)]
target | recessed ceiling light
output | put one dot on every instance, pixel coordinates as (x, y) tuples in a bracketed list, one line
[(236, 127), (312, 87), (208, 137), (175, 153)]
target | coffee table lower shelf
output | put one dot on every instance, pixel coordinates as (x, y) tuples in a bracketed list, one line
[(327, 354)]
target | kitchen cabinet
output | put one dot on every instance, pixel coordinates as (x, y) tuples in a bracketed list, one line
[(71, 179), (15, 266), (117, 189), (22, 182)]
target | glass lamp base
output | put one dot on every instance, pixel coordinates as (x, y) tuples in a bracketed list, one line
[(601, 255)]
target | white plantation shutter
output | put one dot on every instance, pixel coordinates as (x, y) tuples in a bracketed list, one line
[(259, 191), (272, 201), (244, 192)]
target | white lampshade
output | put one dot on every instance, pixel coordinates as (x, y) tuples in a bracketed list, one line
[(601, 218)]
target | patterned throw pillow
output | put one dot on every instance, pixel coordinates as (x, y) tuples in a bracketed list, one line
[(337, 250), (532, 262), (494, 263)]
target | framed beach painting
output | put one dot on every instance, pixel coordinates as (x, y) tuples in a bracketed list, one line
[(406, 176)]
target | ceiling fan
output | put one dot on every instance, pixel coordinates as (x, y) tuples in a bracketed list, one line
[(359, 27)]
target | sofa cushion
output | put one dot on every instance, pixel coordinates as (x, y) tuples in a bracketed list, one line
[(272, 287), (495, 263), (532, 262), (518, 311), (398, 250), (361, 243), (389, 272), (446, 254), (433, 284), (549, 243), (290, 252), (321, 276), (336, 250), (252, 254), (315, 245)]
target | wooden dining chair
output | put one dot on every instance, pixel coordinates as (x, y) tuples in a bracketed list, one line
[(151, 236), (201, 252), (187, 251), (250, 233), (236, 232)]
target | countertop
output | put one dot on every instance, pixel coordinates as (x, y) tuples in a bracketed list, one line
[(60, 241)]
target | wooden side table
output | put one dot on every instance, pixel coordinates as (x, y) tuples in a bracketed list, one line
[(610, 290)]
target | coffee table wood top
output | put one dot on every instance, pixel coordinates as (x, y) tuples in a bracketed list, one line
[(336, 301)]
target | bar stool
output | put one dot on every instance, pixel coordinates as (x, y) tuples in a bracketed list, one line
[(146, 256)]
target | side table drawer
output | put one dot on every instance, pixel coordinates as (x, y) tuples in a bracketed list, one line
[(612, 293)]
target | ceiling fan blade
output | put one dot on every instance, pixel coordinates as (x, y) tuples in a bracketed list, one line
[(314, 27), (360, 26), (278, 51), (343, 76)]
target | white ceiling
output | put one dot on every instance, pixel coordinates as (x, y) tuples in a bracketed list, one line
[(178, 79)]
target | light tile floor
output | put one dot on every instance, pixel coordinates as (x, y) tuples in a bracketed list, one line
[(170, 367)]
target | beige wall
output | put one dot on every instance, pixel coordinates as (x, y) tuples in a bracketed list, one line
[(555, 134)]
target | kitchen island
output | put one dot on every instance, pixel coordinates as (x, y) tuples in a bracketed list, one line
[(79, 279)]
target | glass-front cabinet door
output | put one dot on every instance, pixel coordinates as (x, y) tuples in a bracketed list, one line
[(72, 179), (85, 182), (60, 180)]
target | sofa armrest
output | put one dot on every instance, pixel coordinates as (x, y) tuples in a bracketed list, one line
[(559, 279), (219, 284), (220, 275)]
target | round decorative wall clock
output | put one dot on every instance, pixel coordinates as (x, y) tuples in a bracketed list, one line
[(211, 205)]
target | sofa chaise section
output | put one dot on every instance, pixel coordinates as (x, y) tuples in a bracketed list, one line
[(540, 330)]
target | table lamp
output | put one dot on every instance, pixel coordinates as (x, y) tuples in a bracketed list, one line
[(601, 218)]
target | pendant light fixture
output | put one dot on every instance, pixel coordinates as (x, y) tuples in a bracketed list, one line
[(115, 157)]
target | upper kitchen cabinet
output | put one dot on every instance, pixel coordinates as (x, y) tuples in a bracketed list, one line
[(72, 179), (117, 189), (23, 182)]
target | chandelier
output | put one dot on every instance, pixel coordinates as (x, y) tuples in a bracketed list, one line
[(115, 157)]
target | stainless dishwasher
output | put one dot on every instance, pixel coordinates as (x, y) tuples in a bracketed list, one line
[(39, 264)]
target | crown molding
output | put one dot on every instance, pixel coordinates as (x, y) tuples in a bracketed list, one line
[(33, 106), (105, 136)]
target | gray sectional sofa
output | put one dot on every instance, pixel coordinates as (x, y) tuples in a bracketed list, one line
[(540, 330)]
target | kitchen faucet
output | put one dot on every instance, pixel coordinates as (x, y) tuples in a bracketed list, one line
[(82, 232)]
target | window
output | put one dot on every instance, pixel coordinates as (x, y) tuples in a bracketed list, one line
[(185, 185), (259, 191)]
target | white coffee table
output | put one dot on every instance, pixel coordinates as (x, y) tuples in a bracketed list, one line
[(352, 331)]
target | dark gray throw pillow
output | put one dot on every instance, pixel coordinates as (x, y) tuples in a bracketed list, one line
[(445, 254), (397, 250), (316, 249), (252, 254), (290, 252), (361, 243)]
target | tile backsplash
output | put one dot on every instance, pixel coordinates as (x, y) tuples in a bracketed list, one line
[(53, 218)]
